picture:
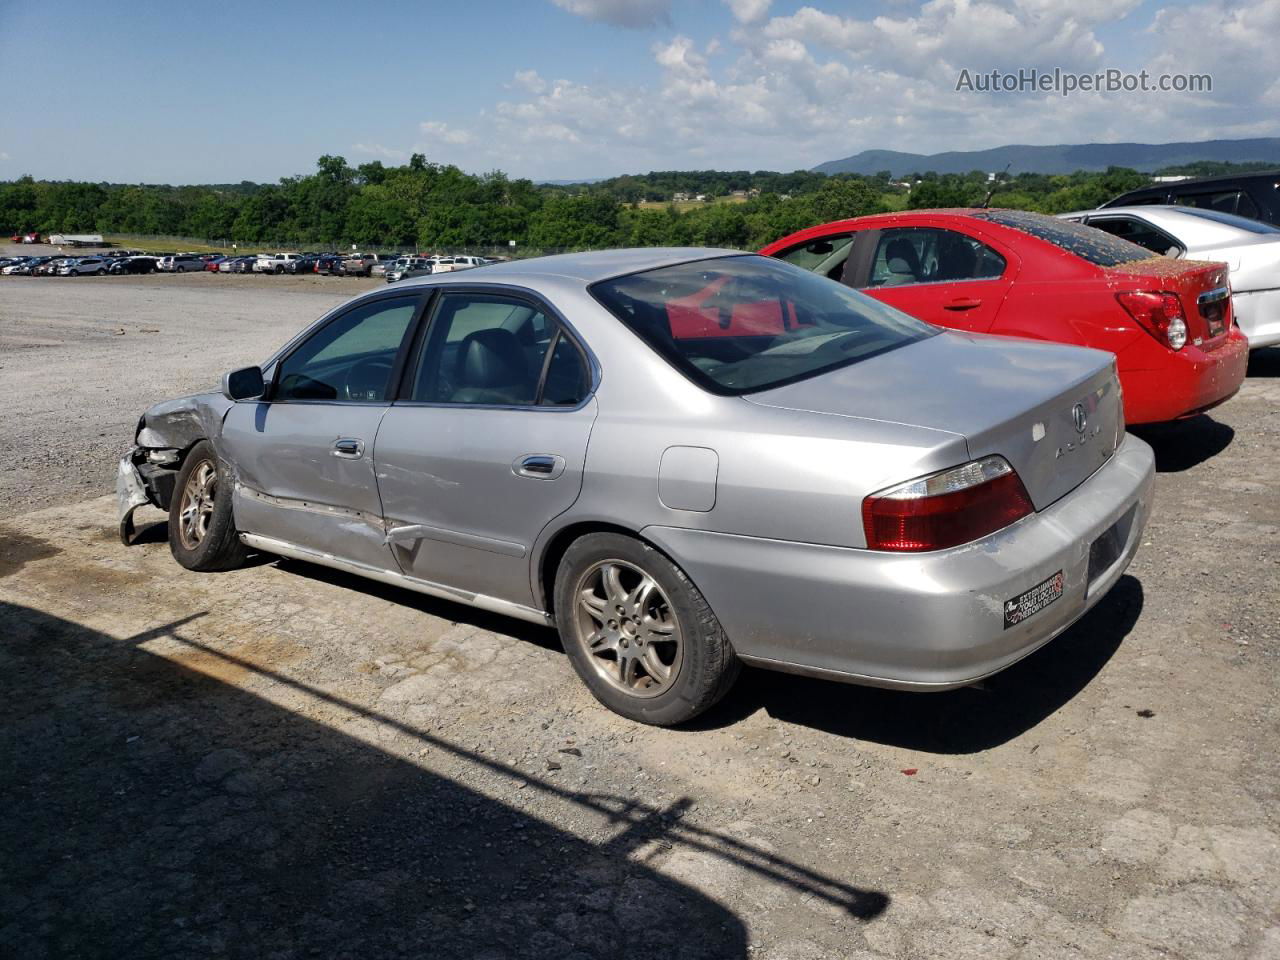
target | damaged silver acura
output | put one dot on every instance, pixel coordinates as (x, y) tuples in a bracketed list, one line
[(682, 459)]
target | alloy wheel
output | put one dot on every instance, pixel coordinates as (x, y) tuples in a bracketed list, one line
[(628, 629), (196, 510)]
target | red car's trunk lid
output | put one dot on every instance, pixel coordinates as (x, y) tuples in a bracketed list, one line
[(1202, 288)]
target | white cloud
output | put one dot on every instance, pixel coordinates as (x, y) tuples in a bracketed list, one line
[(4, 156), (378, 150), (793, 90), (634, 14), (748, 11), (436, 131), (530, 81)]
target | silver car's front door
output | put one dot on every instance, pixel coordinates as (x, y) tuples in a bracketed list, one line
[(486, 447), (303, 457)]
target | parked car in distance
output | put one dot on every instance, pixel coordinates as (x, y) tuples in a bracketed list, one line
[(81, 266), (50, 267), (684, 459), (328, 263), (1022, 274), (138, 264), (407, 267), (385, 263), (274, 262), (1250, 248), (359, 264), (211, 263), (1252, 195), (16, 266), (305, 263), (451, 264), (180, 263)]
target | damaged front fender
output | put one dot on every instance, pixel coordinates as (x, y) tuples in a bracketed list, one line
[(177, 424), (165, 432)]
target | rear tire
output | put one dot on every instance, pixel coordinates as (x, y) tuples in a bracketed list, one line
[(202, 533), (639, 633)]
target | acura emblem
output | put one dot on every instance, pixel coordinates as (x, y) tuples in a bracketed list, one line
[(1078, 417)]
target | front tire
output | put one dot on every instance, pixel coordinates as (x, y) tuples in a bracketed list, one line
[(202, 533), (639, 633)]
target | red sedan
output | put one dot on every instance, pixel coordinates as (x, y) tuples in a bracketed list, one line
[(1168, 322)]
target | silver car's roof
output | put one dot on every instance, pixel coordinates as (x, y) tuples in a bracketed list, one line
[(586, 267)]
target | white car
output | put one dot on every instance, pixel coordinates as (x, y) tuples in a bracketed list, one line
[(83, 265), (274, 262), (452, 264), (1250, 248)]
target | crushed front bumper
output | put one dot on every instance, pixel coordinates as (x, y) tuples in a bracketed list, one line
[(140, 481)]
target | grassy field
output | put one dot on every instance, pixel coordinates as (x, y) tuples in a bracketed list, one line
[(176, 245)]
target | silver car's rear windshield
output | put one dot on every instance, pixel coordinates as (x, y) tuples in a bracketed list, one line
[(735, 325)]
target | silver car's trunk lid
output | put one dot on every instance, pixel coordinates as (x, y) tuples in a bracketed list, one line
[(1054, 412)]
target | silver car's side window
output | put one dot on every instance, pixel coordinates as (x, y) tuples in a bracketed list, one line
[(349, 359), (1139, 232), (485, 349)]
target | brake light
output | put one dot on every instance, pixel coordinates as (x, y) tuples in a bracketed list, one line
[(1160, 314), (947, 508)]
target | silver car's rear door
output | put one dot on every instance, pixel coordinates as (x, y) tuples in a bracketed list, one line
[(487, 444), (303, 457)]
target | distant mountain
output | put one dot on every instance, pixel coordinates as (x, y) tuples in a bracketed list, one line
[(1064, 158), (568, 183)]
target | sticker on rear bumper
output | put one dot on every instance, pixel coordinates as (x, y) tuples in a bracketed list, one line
[(1033, 601)]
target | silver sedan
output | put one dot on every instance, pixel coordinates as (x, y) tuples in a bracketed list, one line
[(684, 460)]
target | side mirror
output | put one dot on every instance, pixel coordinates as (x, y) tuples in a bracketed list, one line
[(243, 384)]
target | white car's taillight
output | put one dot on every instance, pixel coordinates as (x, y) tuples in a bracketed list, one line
[(947, 508)]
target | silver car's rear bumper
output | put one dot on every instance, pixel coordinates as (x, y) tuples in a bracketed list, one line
[(927, 621)]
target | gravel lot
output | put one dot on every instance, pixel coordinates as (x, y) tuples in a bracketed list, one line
[(287, 762)]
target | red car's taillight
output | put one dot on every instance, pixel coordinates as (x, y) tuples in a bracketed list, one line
[(946, 509), (1160, 314)]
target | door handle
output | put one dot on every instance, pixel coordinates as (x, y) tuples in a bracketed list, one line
[(348, 448), (538, 466), (963, 303)]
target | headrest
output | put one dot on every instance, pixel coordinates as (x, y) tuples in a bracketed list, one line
[(490, 358)]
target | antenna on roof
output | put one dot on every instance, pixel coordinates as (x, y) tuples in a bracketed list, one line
[(995, 182)]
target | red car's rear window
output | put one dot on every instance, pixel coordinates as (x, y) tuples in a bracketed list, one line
[(1087, 243)]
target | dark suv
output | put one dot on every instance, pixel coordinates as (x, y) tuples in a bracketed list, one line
[(1253, 195)]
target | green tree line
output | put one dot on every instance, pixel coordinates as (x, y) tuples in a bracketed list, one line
[(426, 205)]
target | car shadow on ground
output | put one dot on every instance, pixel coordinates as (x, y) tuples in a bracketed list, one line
[(152, 807), (1264, 362), (448, 610), (967, 720), (1184, 444)]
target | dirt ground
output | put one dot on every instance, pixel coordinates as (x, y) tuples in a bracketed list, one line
[(287, 762)]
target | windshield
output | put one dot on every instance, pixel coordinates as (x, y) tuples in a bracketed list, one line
[(740, 324), (1230, 219)]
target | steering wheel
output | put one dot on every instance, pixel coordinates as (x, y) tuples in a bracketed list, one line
[(367, 379)]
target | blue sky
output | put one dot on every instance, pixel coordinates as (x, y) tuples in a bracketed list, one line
[(189, 93)]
